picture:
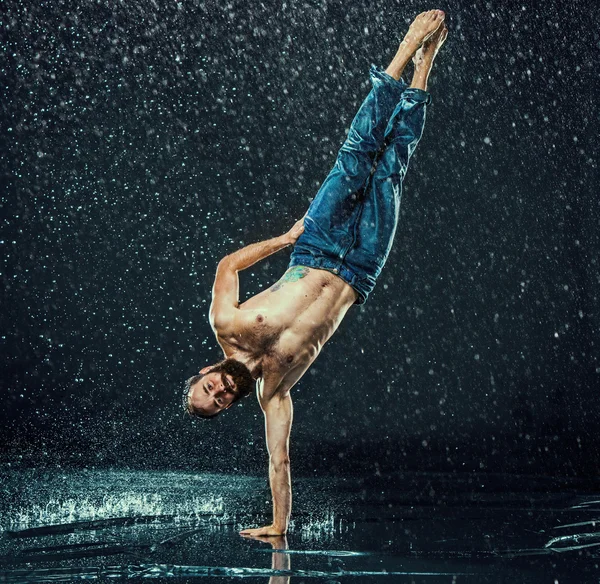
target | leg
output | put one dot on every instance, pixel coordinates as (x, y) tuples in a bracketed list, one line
[(406, 124), (374, 232), (332, 225), (374, 229), (424, 57), (336, 200), (366, 134), (342, 189)]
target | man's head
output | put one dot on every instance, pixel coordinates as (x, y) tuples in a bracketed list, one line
[(217, 388)]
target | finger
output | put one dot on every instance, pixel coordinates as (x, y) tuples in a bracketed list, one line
[(254, 537), (258, 536)]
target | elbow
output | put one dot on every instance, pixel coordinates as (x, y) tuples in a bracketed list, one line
[(224, 264), (228, 264), (279, 463)]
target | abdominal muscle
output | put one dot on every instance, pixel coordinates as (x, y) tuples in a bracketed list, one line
[(298, 314)]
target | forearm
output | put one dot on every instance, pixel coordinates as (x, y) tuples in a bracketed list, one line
[(279, 414), (249, 255), (281, 489)]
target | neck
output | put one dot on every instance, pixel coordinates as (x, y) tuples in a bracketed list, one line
[(252, 362)]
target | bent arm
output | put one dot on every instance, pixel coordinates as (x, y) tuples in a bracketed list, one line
[(249, 255), (226, 288), (225, 293)]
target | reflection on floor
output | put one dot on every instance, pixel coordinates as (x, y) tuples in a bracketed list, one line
[(63, 526)]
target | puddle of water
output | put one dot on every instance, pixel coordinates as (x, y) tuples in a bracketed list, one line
[(64, 526)]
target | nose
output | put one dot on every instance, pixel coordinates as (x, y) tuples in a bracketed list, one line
[(217, 388)]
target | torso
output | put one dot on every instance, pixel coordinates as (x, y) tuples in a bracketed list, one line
[(282, 329)]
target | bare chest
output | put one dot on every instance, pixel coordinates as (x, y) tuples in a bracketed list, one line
[(289, 322)]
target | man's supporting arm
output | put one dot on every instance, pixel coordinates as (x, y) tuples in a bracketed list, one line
[(278, 423), (225, 294)]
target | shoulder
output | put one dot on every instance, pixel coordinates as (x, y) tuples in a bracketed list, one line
[(239, 328), (271, 385), (223, 323)]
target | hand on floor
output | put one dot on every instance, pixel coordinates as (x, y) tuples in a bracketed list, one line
[(268, 531)]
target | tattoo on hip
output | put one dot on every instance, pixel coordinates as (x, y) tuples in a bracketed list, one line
[(292, 275)]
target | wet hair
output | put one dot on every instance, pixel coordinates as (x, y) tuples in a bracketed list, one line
[(242, 378)]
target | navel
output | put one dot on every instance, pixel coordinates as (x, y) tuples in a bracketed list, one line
[(260, 318), (289, 358)]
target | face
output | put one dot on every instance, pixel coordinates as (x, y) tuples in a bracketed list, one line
[(216, 391)]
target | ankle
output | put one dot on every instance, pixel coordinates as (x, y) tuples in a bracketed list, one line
[(423, 66), (410, 42), (408, 47), (419, 80)]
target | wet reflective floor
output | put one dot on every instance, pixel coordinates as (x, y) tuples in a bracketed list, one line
[(66, 526)]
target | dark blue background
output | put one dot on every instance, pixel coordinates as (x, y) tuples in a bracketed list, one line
[(144, 140)]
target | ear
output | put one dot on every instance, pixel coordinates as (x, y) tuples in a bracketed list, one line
[(205, 370)]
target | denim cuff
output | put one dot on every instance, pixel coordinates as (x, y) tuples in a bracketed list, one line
[(417, 95), (378, 74)]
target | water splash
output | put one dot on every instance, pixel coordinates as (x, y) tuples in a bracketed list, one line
[(320, 528), (96, 495), (126, 504)]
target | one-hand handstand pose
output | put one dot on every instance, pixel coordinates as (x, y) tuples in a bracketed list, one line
[(340, 247)]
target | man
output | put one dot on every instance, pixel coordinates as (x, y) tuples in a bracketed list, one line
[(340, 247)]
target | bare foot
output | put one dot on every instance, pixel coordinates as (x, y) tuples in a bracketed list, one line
[(423, 26), (426, 54), (423, 58)]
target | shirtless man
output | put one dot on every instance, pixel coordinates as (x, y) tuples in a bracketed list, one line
[(340, 247)]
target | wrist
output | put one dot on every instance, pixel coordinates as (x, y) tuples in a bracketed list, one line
[(279, 528)]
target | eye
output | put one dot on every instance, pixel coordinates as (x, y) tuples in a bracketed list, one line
[(210, 386)]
